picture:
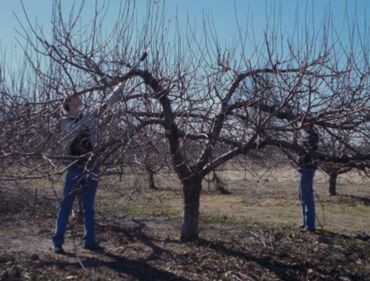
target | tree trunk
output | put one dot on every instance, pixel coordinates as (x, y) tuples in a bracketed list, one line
[(220, 185), (151, 181), (190, 217), (333, 184)]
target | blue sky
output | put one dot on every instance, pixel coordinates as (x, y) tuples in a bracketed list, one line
[(256, 13)]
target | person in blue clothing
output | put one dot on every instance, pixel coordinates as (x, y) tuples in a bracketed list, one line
[(307, 167), (79, 137)]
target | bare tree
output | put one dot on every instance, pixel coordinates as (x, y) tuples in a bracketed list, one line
[(337, 147)]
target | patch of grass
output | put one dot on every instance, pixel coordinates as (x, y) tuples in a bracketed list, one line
[(270, 202), (155, 211), (223, 219)]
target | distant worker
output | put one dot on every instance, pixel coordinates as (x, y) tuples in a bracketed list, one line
[(307, 166)]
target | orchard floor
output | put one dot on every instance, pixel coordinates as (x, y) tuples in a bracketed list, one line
[(249, 234)]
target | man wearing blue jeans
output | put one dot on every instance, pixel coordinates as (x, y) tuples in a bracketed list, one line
[(80, 180), (307, 167), (80, 139), (307, 199)]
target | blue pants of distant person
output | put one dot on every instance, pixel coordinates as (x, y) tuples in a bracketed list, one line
[(77, 180), (306, 197)]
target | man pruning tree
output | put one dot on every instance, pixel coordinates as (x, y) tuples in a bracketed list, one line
[(80, 139)]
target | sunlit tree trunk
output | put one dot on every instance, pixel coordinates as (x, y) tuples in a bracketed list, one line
[(190, 217)]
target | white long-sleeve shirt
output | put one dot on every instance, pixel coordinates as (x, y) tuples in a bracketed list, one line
[(70, 128)]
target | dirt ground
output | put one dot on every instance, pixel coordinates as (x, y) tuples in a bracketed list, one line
[(139, 230)]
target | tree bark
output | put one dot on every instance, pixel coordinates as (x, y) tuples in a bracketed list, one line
[(333, 184), (190, 218)]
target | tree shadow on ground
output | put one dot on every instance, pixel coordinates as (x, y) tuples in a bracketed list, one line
[(137, 233), (293, 266), (136, 269), (283, 271)]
